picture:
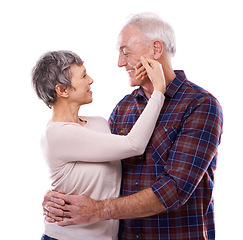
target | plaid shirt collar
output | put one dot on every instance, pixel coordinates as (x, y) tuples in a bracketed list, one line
[(171, 89)]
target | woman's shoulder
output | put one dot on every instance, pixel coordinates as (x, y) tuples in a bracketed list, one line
[(57, 130)]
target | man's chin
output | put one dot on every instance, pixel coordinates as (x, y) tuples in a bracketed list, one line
[(133, 83)]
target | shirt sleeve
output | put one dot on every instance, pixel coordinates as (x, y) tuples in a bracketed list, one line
[(72, 142), (191, 153)]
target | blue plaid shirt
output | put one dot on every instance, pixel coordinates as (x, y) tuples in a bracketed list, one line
[(178, 164)]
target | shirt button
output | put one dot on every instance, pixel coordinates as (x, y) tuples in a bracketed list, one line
[(137, 236), (136, 183)]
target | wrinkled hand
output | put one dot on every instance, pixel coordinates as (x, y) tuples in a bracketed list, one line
[(152, 69), (140, 72), (51, 207), (72, 209)]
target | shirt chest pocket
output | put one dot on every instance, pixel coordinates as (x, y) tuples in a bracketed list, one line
[(163, 138)]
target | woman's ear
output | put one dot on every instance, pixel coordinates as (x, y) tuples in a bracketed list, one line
[(61, 90), (158, 48)]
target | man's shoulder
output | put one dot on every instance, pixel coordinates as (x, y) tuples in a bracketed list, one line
[(195, 98), (197, 93), (187, 95), (183, 88)]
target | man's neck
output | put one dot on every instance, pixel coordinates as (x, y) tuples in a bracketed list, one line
[(148, 91), (169, 75), (148, 88)]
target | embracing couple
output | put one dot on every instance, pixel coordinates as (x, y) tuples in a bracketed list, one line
[(147, 173)]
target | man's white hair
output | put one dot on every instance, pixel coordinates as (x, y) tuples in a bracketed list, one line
[(154, 28)]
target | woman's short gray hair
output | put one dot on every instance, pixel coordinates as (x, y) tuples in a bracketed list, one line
[(51, 69), (154, 28)]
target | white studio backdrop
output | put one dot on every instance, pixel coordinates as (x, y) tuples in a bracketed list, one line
[(209, 49)]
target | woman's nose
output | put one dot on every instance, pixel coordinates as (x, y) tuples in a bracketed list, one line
[(90, 80)]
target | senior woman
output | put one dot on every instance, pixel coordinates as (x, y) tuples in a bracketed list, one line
[(82, 154)]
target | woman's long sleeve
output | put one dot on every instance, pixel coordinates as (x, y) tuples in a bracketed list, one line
[(71, 142)]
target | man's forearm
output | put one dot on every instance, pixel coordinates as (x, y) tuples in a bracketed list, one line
[(142, 204), (81, 209)]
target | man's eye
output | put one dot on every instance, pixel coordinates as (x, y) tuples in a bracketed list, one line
[(125, 53)]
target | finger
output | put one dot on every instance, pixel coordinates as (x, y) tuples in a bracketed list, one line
[(145, 63), (68, 207), (69, 210), (49, 217), (68, 214), (66, 222), (50, 220), (45, 212), (140, 70), (57, 219), (56, 194), (57, 198), (57, 201), (55, 212), (61, 192), (150, 63), (138, 65), (46, 198), (53, 205), (142, 75)]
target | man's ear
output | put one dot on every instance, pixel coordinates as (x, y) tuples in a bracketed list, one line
[(61, 90), (158, 48)]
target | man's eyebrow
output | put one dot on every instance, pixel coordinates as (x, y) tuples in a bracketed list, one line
[(120, 48)]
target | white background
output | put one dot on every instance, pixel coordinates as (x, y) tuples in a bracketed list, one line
[(209, 49)]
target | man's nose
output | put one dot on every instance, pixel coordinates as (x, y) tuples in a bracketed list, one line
[(122, 60)]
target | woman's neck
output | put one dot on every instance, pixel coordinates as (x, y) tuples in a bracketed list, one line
[(62, 112)]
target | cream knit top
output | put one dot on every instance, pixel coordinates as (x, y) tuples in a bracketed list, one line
[(86, 160)]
